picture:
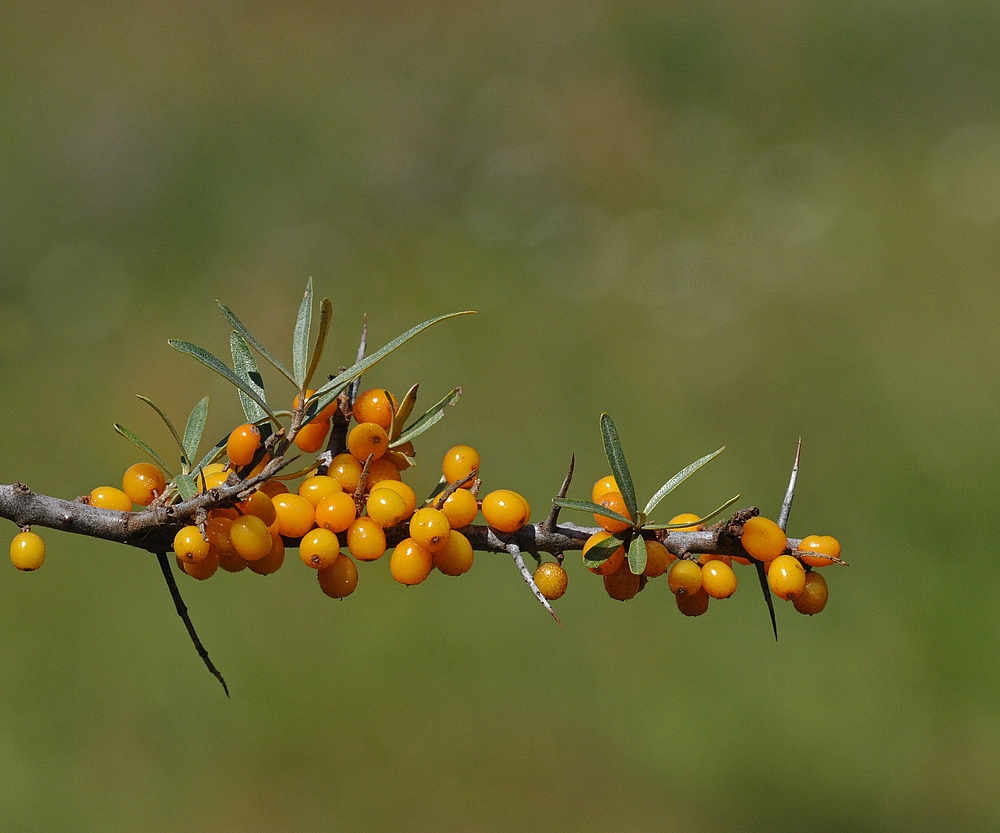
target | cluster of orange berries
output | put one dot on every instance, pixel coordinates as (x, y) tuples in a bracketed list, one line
[(336, 509), (793, 576), (697, 579)]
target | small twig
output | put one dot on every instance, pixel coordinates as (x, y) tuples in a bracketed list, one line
[(550, 522), (515, 552), (766, 588), (182, 611), (356, 384), (786, 506), (451, 488)]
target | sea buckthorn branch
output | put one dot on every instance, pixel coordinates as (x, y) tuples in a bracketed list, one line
[(240, 514)]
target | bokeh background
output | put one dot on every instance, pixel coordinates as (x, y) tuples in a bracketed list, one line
[(723, 223)]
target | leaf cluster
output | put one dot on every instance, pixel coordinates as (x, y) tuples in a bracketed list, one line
[(245, 376), (633, 538)]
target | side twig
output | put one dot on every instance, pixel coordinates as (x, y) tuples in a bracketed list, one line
[(182, 611)]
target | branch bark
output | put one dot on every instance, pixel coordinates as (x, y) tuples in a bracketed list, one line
[(153, 529)]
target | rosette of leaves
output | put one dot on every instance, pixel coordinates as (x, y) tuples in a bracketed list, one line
[(633, 538)]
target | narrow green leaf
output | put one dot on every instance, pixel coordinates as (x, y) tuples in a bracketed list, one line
[(186, 486), (432, 416), (195, 428), (213, 363), (295, 475), (403, 413), (214, 453), (679, 478), (587, 506), (602, 551), (300, 339), (708, 517), (328, 392), (138, 443), (325, 314), (253, 342), (637, 555), (166, 419), (619, 468), (245, 366)]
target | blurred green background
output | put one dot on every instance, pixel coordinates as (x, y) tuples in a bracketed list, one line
[(723, 223)]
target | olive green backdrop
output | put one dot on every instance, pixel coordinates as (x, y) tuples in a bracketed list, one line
[(722, 223)]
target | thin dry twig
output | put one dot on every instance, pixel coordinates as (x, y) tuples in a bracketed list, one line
[(182, 611), (515, 552), (550, 522), (786, 505)]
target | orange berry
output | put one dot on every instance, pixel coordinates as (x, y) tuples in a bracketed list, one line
[(684, 577), (429, 527), (231, 562), (718, 579), (374, 406), (505, 511), (311, 437), (658, 559), (386, 507), (379, 472), (603, 486), (250, 538), (405, 492), (787, 577), (217, 531), (346, 471), (551, 580), (108, 497), (410, 563), (366, 540), (327, 413), (612, 563), (622, 584), (693, 604), (763, 539), (460, 508), (260, 505), (340, 579), (142, 483), (336, 512), (317, 487), (456, 556), (814, 595), (686, 518), (273, 487), (367, 438), (813, 547), (27, 551), (212, 480), (459, 462), (705, 557), (616, 503), (295, 515), (319, 548), (243, 443), (189, 544), (271, 562), (201, 570)]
